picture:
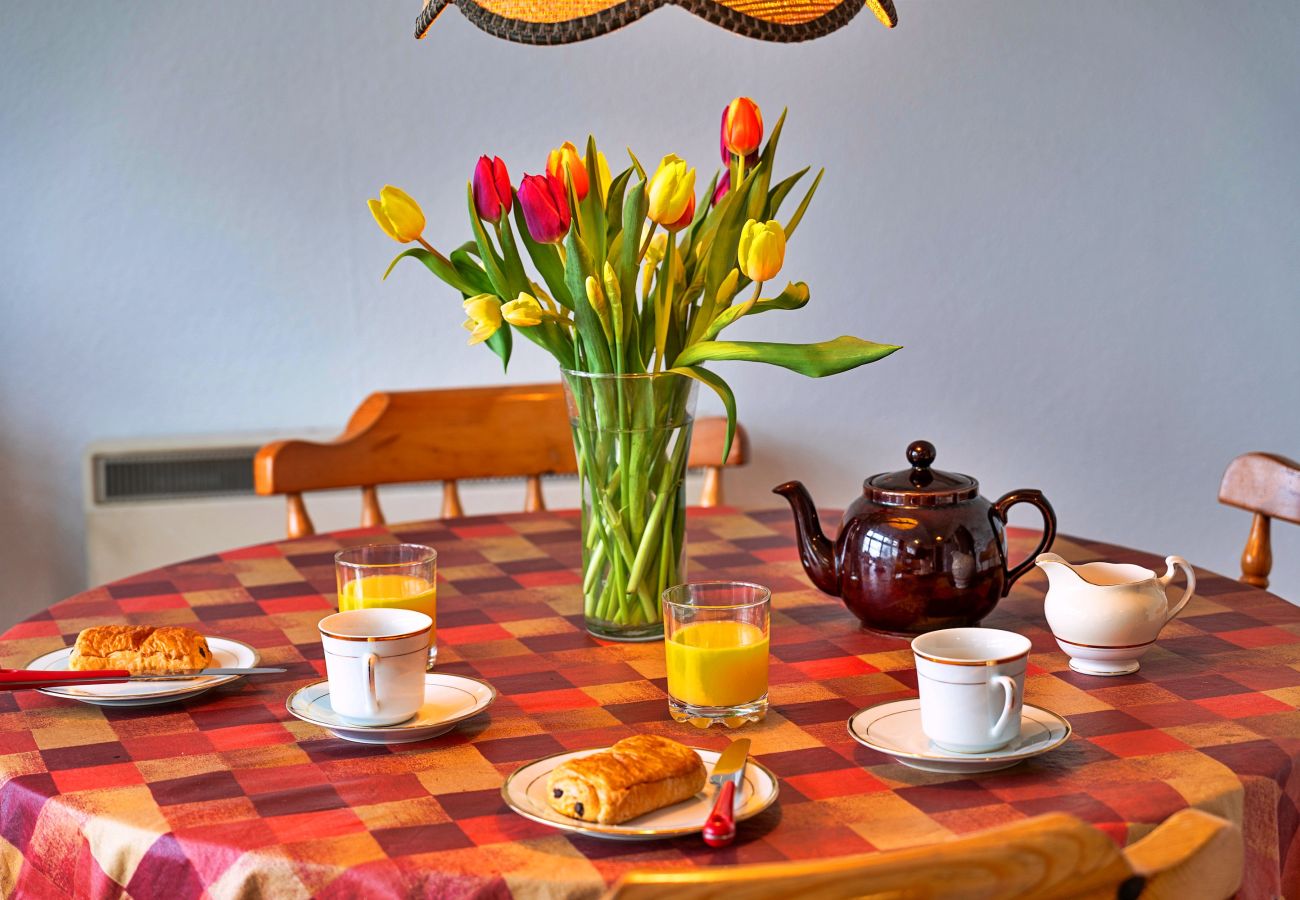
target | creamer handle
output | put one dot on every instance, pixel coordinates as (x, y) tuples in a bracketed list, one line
[(1178, 561)]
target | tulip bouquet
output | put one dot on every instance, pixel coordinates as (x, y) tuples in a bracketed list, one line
[(635, 280)]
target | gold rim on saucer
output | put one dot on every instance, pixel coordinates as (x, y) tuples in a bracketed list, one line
[(954, 757), (406, 725)]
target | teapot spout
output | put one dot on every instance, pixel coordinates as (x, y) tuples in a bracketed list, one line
[(816, 552)]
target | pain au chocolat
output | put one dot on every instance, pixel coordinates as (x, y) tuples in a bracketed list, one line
[(140, 649), (638, 774)]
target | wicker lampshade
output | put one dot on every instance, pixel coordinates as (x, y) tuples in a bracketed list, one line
[(566, 21)]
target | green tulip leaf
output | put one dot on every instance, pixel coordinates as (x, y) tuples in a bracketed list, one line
[(471, 271), (614, 202), (779, 192), (814, 360), (500, 343), (807, 198), (766, 162), (488, 253), (795, 296), (437, 264), (723, 390)]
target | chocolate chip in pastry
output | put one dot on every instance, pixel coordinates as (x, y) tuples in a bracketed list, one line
[(637, 775), (140, 649)]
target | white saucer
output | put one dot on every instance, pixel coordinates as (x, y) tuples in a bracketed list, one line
[(448, 700), (894, 728), (225, 654), (525, 793)]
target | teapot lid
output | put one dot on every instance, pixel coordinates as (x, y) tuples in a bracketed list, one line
[(920, 485)]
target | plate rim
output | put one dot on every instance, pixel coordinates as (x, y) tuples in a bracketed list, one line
[(493, 694), (594, 829), (196, 688), (956, 757)]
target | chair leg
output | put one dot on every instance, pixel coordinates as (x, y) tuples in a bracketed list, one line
[(451, 508), (297, 522), (1257, 558), (533, 500), (371, 514), (712, 493)]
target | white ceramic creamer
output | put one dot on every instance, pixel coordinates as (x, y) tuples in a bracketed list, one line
[(1106, 615)]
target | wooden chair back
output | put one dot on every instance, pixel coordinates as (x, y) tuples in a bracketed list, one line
[(1191, 856), (397, 437), (1267, 485)]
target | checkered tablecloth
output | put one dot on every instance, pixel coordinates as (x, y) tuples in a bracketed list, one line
[(229, 794)]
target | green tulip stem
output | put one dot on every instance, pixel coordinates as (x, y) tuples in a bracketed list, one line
[(645, 244), (649, 536)]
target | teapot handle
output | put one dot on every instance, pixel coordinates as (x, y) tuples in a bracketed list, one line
[(1035, 498), (1171, 562)]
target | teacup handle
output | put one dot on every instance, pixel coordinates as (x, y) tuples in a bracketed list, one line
[(1013, 692), (371, 695), (1178, 561)]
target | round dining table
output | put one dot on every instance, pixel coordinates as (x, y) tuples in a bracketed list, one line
[(229, 794)]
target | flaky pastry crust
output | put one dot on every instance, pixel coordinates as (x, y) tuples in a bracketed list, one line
[(638, 774), (140, 649)]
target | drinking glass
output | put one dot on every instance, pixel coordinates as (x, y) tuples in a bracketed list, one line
[(391, 576), (716, 643)]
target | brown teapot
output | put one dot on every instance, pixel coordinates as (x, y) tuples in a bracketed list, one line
[(919, 550)]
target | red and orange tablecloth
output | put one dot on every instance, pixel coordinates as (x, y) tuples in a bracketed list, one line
[(230, 794)]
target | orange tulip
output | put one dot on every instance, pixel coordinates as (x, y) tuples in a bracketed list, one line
[(566, 159), (742, 128)]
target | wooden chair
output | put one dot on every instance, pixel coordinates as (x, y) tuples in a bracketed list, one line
[(397, 437), (1191, 856), (1268, 486)]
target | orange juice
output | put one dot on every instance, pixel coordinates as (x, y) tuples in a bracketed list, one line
[(720, 663), (400, 591)]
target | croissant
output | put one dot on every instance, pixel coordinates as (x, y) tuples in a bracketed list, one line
[(140, 649), (638, 774)]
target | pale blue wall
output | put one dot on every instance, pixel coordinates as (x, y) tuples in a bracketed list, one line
[(1083, 220)]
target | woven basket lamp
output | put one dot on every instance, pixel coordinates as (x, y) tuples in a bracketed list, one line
[(567, 21)]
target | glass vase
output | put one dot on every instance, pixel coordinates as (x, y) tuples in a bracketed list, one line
[(632, 435)]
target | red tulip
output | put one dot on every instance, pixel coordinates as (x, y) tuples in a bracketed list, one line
[(492, 194), (545, 206), (742, 128)]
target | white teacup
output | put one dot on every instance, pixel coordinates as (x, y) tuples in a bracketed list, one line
[(375, 660), (972, 683)]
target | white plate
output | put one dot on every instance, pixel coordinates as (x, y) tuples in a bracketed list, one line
[(225, 654), (894, 728), (448, 700), (525, 793)]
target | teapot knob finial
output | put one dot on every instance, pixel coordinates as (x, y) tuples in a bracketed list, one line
[(920, 454)]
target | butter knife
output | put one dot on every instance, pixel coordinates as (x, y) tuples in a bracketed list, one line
[(728, 773), (30, 679)]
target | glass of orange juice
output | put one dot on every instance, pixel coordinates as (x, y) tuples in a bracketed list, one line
[(403, 576), (716, 641)]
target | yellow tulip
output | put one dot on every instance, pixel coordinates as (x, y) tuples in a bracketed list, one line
[(484, 313), (602, 173), (523, 311), (672, 193), (762, 250), (399, 215)]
